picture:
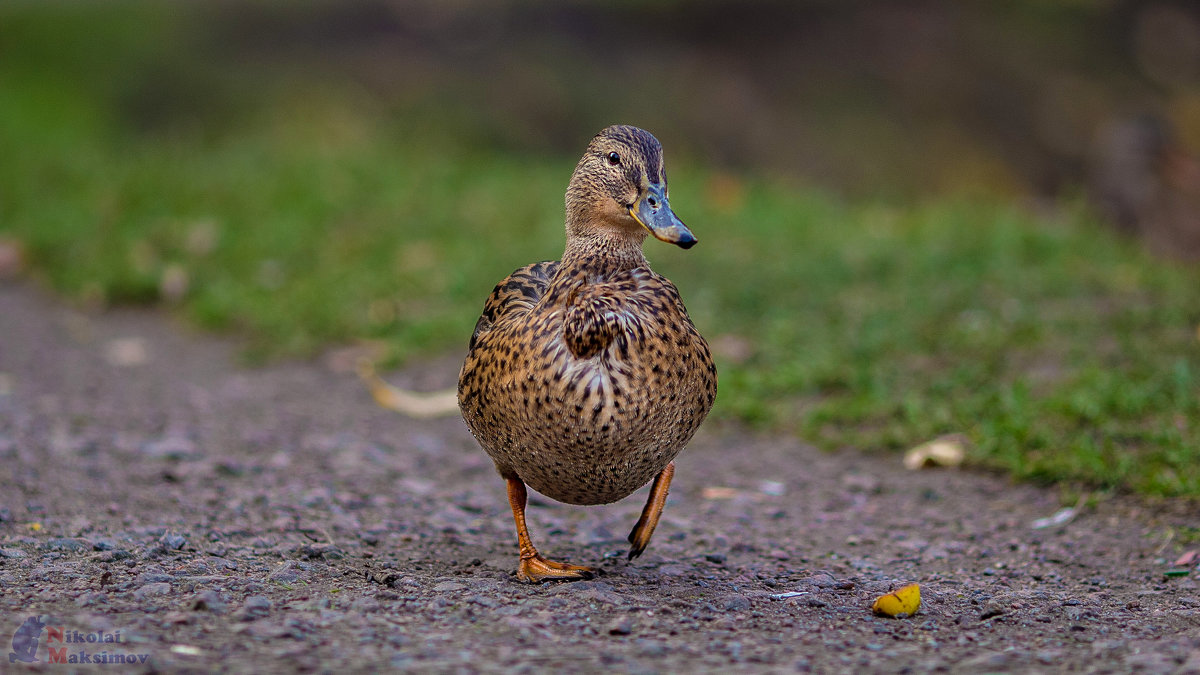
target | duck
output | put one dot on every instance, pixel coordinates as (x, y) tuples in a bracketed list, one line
[(585, 377)]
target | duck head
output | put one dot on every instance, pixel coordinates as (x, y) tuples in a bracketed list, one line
[(619, 190)]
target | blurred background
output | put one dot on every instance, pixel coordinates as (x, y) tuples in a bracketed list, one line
[(917, 218)]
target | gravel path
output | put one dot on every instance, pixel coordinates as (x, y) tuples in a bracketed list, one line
[(213, 517)]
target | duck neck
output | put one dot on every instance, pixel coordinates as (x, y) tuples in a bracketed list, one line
[(606, 249)]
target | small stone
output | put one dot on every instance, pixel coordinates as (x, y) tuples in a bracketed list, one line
[(255, 607), (622, 626), (736, 603), (288, 572), (992, 609), (175, 447), (12, 553), (209, 601), (482, 601), (153, 552), (993, 661), (177, 618), (365, 605), (173, 542), (67, 544), (150, 590), (820, 580), (651, 648), (449, 586), (717, 558), (154, 577), (89, 599)]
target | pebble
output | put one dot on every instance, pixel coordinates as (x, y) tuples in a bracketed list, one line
[(449, 586), (12, 553), (173, 542), (255, 607), (209, 600), (149, 590), (114, 555), (992, 661), (365, 605), (173, 447), (68, 544), (736, 603), (482, 601), (992, 609), (651, 648), (154, 577), (89, 599), (288, 572), (622, 626)]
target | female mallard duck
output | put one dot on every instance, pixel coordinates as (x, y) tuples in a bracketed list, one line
[(585, 377)]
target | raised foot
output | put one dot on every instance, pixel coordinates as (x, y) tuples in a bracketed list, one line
[(640, 536), (537, 569)]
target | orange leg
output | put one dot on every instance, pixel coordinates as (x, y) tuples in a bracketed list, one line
[(640, 536), (533, 567)]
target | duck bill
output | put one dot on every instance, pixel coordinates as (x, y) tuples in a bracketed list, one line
[(654, 213)]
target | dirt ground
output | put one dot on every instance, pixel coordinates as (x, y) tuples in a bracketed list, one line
[(211, 517)]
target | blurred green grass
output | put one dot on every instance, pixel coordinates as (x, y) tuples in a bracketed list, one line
[(312, 217)]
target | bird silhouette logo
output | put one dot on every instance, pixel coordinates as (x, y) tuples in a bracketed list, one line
[(25, 641)]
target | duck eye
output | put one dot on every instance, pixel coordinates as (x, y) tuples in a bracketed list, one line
[(614, 158)]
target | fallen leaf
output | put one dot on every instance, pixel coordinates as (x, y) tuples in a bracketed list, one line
[(126, 352), (717, 492), (898, 604), (1188, 559), (1061, 517), (36, 527), (946, 451), (411, 403)]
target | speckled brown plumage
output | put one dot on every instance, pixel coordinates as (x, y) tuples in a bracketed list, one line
[(585, 377)]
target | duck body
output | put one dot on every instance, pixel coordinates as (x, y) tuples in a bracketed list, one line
[(585, 377)]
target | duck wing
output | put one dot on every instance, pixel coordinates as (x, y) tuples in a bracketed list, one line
[(618, 311), (515, 295)]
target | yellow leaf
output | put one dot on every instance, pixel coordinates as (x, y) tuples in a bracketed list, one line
[(945, 451), (36, 527), (899, 603)]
